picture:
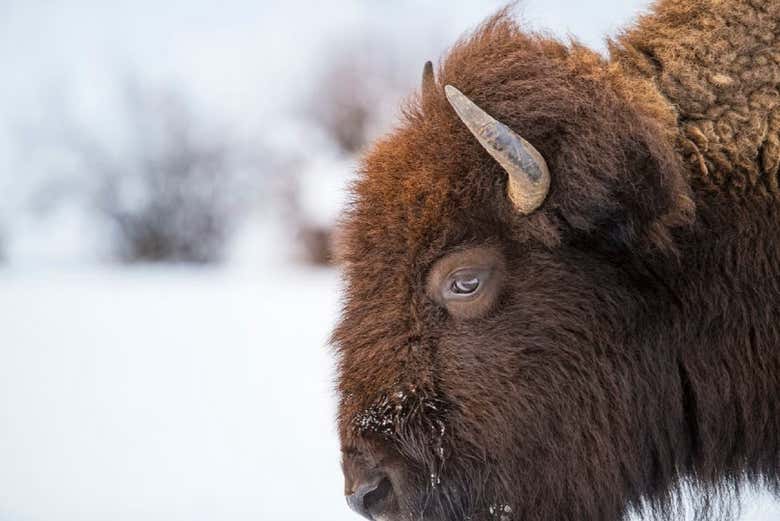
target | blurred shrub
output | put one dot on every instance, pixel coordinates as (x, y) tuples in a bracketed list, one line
[(352, 100), (312, 233), (317, 243), (174, 188), (355, 93)]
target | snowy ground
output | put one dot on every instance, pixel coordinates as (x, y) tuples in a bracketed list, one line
[(167, 395), (161, 395)]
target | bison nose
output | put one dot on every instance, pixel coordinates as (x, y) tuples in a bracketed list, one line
[(370, 499)]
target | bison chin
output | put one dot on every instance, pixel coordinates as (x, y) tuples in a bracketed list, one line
[(447, 499)]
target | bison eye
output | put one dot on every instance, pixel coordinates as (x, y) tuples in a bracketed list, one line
[(464, 283), (467, 282)]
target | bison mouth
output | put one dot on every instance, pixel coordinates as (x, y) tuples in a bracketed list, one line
[(450, 501), (379, 502)]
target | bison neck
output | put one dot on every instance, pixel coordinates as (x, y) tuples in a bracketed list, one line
[(714, 85), (725, 317)]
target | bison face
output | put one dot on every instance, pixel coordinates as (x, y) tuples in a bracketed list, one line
[(495, 349), (505, 394)]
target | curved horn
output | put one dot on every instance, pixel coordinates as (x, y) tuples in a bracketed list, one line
[(529, 177)]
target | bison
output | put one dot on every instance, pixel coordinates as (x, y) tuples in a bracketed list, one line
[(562, 277)]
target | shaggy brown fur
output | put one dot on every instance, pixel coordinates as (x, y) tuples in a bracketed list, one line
[(635, 347), (717, 64)]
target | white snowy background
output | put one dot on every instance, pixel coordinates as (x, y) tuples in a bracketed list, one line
[(158, 391)]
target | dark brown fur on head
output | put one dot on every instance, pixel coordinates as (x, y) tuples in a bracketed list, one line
[(595, 381)]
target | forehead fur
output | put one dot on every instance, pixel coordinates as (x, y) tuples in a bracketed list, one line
[(429, 183)]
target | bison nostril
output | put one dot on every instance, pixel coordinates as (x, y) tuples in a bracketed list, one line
[(370, 499), (374, 498)]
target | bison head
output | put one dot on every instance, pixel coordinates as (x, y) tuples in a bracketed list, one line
[(503, 345)]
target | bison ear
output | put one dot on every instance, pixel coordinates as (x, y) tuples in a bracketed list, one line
[(633, 202), (648, 212)]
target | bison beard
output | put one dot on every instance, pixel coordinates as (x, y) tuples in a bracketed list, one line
[(622, 344)]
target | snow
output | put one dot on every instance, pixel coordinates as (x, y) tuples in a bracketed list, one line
[(165, 394)]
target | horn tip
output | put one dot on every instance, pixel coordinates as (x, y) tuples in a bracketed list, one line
[(428, 81), (462, 104)]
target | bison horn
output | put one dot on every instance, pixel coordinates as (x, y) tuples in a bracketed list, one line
[(529, 177), (427, 78)]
